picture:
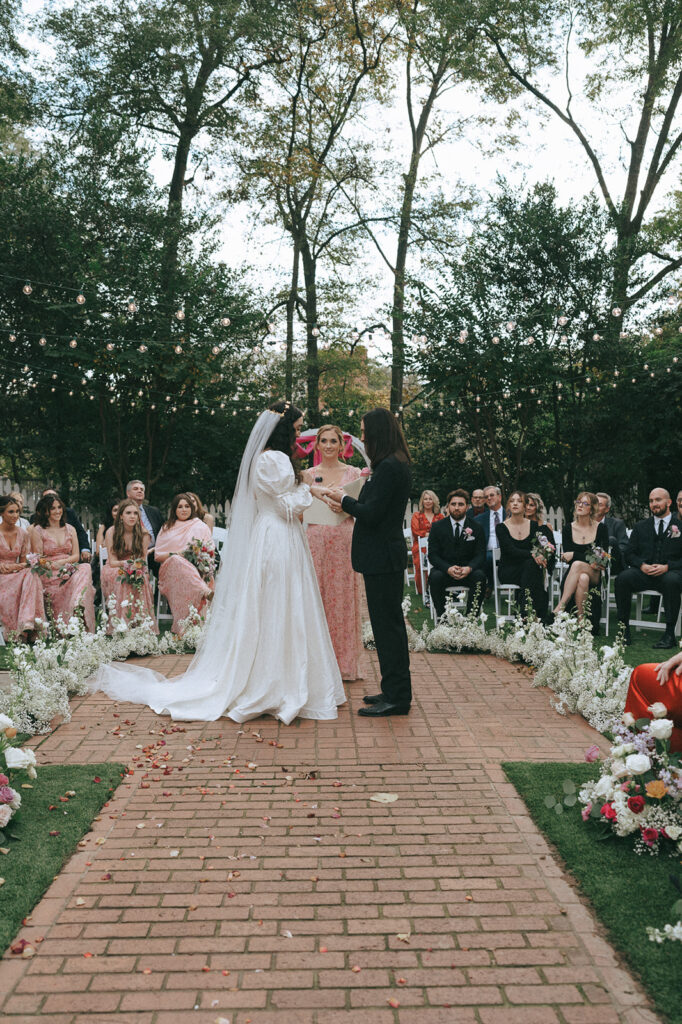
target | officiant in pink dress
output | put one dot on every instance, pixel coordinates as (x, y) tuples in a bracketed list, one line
[(180, 581), (330, 548), (21, 595)]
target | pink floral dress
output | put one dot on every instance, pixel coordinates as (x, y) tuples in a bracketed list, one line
[(21, 595), (179, 580), (78, 590), (140, 602), (340, 587)]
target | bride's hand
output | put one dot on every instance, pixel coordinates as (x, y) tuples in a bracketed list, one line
[(319, 492)]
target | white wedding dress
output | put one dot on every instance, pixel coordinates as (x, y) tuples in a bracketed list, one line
[(266, 648)]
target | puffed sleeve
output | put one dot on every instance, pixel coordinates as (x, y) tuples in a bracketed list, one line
[(275, 477)]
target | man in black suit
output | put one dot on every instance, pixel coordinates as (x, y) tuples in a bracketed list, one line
[(618, 535), (151, 517), (654, 557), (73, 520), (378, 551), (456, 554)]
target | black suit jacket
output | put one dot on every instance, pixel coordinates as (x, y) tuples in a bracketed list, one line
[(378, 544), (444, 551), (642, 545), (618, 541), (155, 518), (484, 519)]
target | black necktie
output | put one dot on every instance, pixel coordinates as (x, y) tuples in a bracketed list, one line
[(497, 518), (457, 529), (660, 528)]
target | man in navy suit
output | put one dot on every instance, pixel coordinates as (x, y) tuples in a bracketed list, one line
[(489, 520), (456, 554), (654, 557)]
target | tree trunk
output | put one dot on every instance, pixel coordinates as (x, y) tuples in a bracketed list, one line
[(312, 362), (174, 211), (291, 313)]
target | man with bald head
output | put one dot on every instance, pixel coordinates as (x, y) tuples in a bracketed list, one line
[(654, 559)]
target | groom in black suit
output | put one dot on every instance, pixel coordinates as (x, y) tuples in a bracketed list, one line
[(457, 554), (654, 557)]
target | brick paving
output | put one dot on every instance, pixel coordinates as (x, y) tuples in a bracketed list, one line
[(251, 879)]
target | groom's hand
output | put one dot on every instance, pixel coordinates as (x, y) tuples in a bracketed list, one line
[(334, 499)]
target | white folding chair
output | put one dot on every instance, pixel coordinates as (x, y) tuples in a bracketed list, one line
[(505, 590), (162, 616), (424, 569), (219, 537), (409, 574)]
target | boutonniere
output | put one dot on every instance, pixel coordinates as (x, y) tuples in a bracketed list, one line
[(468, 533), (674, 530)]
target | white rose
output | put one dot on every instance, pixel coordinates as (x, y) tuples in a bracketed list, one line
[(16, 758), (5, 814), (604, 786), (629, 720), (658, 710), (637, 764), (661, 728), (674, 831), (15, 802), (5, 723), (619, 769)]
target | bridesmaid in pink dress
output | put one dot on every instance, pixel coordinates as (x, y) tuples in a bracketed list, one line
[(330, 548), (180, 581), (127, 541), (21, 595), (70, 584)]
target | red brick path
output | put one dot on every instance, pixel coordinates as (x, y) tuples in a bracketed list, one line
[(256, 881)]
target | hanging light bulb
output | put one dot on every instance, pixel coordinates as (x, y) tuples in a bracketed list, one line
[(12, 337), (73, 343), (616, 311), (153, 405), (215, 350), (179, 314), (27, 289), (463, 335), (174, 408), (225, 321), (672, 300), (564, 338), (140, 393), (43, 342), (496, 340), (212, 412), (530, 340), (131, 305), (622, 335), (510, 325), (563, 320), (315, 332), (196, 401), (91, 397), (659, 331), (271, 328), (178, 350), (596, 337), (222, 405), (80, 299), (142, 348), (110, 346)]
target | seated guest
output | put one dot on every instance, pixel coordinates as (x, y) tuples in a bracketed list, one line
[(428, 512), (618, 535), (537, 513), (127, 543), (19, 499), (658, 684), (477, 503), (180, 581), (71, 520), (489, 520), (654, 562), (456, 554), (579, 539), (152, 520), (520, 560), (69, 585), (201, 512), (108, 521), (21, 595)]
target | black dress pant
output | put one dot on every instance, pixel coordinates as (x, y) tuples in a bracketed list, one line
[(631, 581), (440, 581), (529, 577), (385, 606)]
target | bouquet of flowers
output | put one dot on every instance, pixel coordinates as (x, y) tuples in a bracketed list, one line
[(133, 572), (640, 789), (38, 564), (15, 758), (597, 556), (542, 547), (201, 553), (65, 572)]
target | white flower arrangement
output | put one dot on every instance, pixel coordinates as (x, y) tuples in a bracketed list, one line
[(16, 759), (44, 675)]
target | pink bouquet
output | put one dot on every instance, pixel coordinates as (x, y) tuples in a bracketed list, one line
[(38, 565), (133, 572), (201, 553), (65, 572)]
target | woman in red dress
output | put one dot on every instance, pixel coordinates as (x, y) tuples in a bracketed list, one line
[(428, 512), (658, 684)]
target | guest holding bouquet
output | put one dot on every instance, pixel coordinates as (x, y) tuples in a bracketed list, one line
[(125, 575), (330, 547), (68, 584), (181, 581), (21, 594), (428, 512), (586, 547), (522, 558)]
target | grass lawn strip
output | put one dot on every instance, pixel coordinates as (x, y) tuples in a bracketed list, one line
[(627, 891), (35, 856)]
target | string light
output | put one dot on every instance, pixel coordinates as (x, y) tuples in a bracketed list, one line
[(131, 305), (43, 342), (27, 289), (179, 314), (73, 343), (563, 320), (12, 337), (80, 299), (142, 348), (178, 350), (215, 350), (315, 332), (225, 321), (616, 311), (110, 346), (496, 340)]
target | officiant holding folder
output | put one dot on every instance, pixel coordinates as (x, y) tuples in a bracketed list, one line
[(378, 551)]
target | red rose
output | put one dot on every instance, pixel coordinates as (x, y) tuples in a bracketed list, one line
[(636, 804), (649, 835), (609, 811)]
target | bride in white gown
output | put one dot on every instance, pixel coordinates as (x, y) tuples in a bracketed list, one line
[(266, 648)]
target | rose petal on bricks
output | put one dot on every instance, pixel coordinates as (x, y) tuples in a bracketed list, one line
[(100, 840), (356, 968), (384, 798), (287, 934), (80, 901), (394, 1003), (87, 956), (28, 952), (402, 981), (403, 936), (146, 970), (174, 853)]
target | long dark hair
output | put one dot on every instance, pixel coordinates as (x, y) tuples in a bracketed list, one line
[(43, 510), (108, 518), (173, 513), (384, 436), (283, 437), (119, 540)]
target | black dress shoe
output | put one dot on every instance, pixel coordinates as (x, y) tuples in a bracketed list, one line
[(666, 642), (382, 709), (373, 698)]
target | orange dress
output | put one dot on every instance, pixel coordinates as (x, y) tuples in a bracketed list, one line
[(340, 587), (21, 595), (77, 591), (420, 527), (140, 602), (646, 690)]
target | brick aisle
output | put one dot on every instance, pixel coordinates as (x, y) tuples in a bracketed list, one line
[(255, 881)]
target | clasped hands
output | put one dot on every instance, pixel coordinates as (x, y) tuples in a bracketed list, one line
[(458, 572), (653, 570)]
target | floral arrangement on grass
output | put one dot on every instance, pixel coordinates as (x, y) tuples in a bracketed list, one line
[(45, 674), (201, 553), (16, 759), (133, 572), (639, 791)]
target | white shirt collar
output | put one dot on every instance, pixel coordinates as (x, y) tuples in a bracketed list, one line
[(664, 519)]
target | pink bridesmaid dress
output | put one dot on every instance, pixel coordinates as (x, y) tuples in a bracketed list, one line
[(179, 580), (340, 587), (21, 595), (140, 602), (78, 590)]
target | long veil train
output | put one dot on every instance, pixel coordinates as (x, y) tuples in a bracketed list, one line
[(265, 647)]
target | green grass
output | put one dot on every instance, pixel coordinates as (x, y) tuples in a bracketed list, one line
[(35, 857), (627, 891)]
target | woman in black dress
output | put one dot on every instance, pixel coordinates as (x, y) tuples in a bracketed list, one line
[(579, 538), (519, 562)]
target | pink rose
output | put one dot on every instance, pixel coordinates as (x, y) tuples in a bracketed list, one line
[(6, 795), (593, 753), (609, 811), (636, 804), (586, 811), (649, 835), (4, 781), (365, 471)]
